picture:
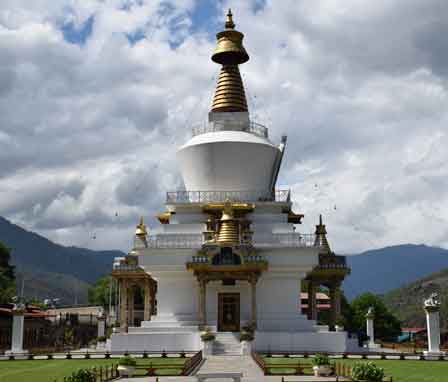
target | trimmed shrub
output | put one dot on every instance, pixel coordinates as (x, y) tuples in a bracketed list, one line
[(127, 361), (82, 375), (367, 371), (320, 360)]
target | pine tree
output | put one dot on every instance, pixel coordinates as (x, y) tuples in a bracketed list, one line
[(7, 277)]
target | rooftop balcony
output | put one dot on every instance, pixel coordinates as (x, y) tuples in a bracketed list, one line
[(195, 241), (182, 197), (229, 125)]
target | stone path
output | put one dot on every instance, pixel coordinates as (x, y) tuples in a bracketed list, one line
[(243, 364)]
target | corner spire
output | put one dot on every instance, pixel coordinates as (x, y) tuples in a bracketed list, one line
[(230, 52), (141, 228), (321, 237)]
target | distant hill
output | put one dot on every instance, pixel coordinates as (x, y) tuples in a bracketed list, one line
[(407, 302), (52, 270), (381, 270)]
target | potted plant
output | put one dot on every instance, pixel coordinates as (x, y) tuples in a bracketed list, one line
[(322, 366), (207, 335), (246, 337), (339, 327), (367, 371), (126, 366), (207, 338), (101, 341)]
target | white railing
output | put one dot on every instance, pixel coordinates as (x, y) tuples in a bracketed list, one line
[(195, 241), (229, 125), (175, 240), (232, 196), (286, 240)]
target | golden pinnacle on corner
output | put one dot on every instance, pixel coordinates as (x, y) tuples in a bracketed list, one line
[(321, 237), (229, 52), (141, 228)]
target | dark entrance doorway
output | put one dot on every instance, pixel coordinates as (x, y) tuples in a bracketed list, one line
[(228, 312)]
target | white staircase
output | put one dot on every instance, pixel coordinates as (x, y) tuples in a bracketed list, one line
[(227, 343)]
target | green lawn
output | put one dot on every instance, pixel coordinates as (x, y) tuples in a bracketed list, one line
[(49, 370), (401, 371)]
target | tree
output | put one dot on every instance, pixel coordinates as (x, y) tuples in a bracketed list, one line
[(387, 326), (7, 277), (99, 293)]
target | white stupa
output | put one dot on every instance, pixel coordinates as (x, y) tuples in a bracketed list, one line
[(226, 253)]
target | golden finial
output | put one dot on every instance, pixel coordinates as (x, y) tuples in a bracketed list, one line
[(141, 228), (228, 233), (230, 52), (321, 237), (229, 21)]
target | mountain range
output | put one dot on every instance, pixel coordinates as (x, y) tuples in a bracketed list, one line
[(407, 302), (51, 270), (54, 271), (382, 270)]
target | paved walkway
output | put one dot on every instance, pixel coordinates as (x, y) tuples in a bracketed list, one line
[(242, 364)]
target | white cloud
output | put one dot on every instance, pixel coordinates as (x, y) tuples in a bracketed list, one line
[(88, 131)]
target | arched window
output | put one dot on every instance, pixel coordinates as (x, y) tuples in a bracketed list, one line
[(226, 257)]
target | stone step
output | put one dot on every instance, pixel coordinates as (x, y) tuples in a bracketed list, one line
[(163, 329), (169, 324)]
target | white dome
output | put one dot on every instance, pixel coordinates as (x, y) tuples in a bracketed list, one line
[(228, 161)]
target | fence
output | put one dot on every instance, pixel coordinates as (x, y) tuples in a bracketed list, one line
[(192, 363), (232, 196), (53, 335)]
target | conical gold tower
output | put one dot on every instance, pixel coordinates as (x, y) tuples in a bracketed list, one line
[(229, 52), (228, 228), (321, 237)]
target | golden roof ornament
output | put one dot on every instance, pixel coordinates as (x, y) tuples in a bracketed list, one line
[(228, 233), (141, 228), (321, 237), (229, 52)]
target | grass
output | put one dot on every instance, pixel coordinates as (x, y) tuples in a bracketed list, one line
[(401, 371), (50, 370)]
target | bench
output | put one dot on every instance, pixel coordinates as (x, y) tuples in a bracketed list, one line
[(235, 376)]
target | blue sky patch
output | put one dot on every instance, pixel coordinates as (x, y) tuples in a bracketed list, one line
[(78, 35)]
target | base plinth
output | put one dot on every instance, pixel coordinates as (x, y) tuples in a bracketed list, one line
[(433, 355)]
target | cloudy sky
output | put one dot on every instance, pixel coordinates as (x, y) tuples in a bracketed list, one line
[(95, 96)]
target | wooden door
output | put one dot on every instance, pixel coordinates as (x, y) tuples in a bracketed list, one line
[(228, 312)]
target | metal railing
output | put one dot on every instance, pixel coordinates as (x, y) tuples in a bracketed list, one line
[(175, 241), (229, 125), (286, 240), (332, 261), (195, 241), (126, 267), (283, 196)]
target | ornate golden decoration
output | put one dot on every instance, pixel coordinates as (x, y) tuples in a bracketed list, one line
[(239, 207), (229, 52), (164, 217), (295, 218), (228, 233), (321, 237), (141, 229)]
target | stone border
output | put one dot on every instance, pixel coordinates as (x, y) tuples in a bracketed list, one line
[(97, 355), (360, 356)]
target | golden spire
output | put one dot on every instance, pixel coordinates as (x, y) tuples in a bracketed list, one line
[(141, 228), (228, 227), (321, 237), (229, 52)]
